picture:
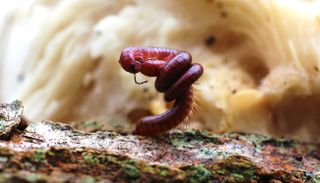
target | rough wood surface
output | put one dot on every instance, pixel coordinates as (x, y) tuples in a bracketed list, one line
[(54, 152)]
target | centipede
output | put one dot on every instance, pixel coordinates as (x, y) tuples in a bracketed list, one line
[(175, 73)]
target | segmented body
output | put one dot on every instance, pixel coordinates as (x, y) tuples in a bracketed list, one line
[(175, 75)]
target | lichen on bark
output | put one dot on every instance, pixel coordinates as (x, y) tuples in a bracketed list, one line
[(54, 152)]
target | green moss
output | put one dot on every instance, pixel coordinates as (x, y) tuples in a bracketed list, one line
[(149, 169), (131, 162), (317, 178), (131, 171), (55, 155), (287, 143), (90, 158), (159, 170), (237, 177), (39, 155), (34, 178), (199, 174), (131, 168), (255, 139), (163, 172), (109, 159), (192, 138), (220, 172), (93, 125), (235, 169), (88, 179), (239, 168)]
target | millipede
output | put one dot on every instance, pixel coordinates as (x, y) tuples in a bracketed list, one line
[(175, 73)]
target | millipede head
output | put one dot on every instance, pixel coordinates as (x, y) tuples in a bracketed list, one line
[(129, 64)]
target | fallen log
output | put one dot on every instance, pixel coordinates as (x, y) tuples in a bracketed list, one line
[(54, 152)]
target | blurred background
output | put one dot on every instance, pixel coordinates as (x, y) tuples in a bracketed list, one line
[(261, 61)]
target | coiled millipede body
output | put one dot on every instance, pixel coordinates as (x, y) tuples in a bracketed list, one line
[(175, 75)]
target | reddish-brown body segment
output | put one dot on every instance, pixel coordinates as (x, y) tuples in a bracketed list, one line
[(175, 74)]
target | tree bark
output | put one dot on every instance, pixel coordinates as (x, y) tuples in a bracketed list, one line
[(54, 152)]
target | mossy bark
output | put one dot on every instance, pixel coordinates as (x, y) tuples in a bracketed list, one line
[(54, 152)]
